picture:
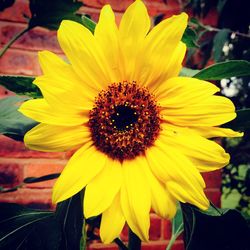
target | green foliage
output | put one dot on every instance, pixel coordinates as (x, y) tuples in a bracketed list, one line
[(215, 229), (24, 228), (218, 43), (236, 188), (41, 178), (188, 72), (12, 122), (69, 213), (30, 180), (177, 228), (88, 23), (49, 14), (218, 71), (27, 229), (241, 122), (190, 38), (21, 85)]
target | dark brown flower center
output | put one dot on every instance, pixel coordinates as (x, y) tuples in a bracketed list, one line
[(124, 120)]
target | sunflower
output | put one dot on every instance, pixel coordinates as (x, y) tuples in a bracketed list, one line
[(141, 133)]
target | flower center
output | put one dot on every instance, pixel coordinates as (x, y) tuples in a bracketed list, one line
[(124, 117), (124, 121)]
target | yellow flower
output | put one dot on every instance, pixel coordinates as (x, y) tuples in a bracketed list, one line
[(140, 130)]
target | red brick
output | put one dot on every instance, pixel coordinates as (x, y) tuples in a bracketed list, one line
[(154, 7), (40, 169), (35, 39), (116, 5), (214, 195), (4, 92), (154, 230), (161, 245), (124, 233), (19, 62), (16, 12), (30, 197), (167, 229), (16, 149), (151, 245), (212, 179), (155, 227), (178, 245), (158, 7), (211, 18), (11, 174), (97, 246)]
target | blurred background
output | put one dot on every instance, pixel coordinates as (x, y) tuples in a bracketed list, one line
[(220, 30)]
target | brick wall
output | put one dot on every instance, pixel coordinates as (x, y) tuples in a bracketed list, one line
[(17, 162)]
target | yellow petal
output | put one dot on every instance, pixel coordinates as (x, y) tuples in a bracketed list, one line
[(51, 64), (112, 221), (162, 202), (60, 79), (179, 92), (210, 132), (213, 111), (39, 110), (133, 29), (84, 53), (162, 51), (51, 138), (182, 179), (80, 170), (206, 155), (106, 34), (102, 189), (135, 197), (62, 98), (194, 107)]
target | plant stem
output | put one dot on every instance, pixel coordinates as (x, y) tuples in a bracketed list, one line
[(120, 244), (178, 232), (83, 242), (134, 243), (214, 29), (13, 39)]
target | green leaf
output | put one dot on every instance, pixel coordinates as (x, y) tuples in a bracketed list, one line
[(188, 72), (12, 122), (24, 228), (195, 21), (190, 38), (218, 71), (220, 5), (177, 228), (21, 85), (9, 190), (88, 23), (241, 122), (215, 229), (69, 214), (41, 178), (218, 43), (50, 13)]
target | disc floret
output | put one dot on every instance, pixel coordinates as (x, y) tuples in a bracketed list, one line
[(124, 120)]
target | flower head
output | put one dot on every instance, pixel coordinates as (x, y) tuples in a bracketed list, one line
[(140, 131)]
